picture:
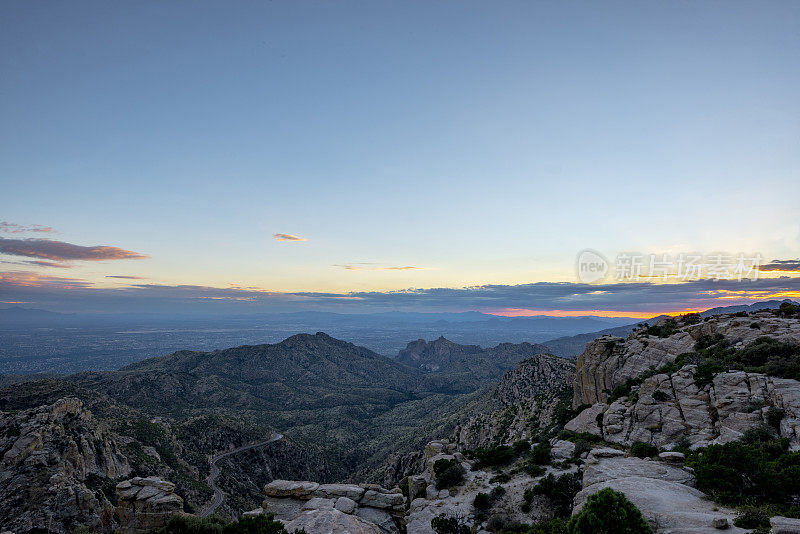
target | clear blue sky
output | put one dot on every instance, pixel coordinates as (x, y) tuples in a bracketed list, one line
[(482, 142)]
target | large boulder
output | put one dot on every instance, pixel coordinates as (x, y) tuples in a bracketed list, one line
[(291, 488)]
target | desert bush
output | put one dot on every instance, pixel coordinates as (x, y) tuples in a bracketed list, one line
[(643, 450), (752, 517), (540, 454), (521, 446), (444, 524), (447, 473), (559, 491), (494, 456), (482, 501), (759, 471), (608, 512)]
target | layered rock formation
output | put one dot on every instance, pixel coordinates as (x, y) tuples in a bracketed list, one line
[(609, 361), (671, 408), (54, 459), (146, 503)]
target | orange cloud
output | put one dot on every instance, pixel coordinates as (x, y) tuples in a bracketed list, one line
[(31, 279), (288, 237), (48, 249)]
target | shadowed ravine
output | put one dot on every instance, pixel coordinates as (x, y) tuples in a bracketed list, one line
[(216, 501)]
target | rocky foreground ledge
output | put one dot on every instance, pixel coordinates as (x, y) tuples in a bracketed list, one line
[(362, 508)]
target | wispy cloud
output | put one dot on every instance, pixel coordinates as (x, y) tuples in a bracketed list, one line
[(366, 267), (44, 263), (13, 228), (288, 237), (781, 265), (60, 251), (125, 277)]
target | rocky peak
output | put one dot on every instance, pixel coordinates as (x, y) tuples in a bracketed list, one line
[(434, 355)]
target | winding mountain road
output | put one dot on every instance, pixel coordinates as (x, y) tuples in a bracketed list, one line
[(216, 501)]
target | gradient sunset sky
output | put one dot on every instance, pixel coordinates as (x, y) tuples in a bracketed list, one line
[(336, 155)]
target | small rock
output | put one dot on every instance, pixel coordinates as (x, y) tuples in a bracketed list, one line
[(563, 449), (673, 457), (377, 499), (720, 523), (431, 492), (345, 504), (254, 513), (607, 452)]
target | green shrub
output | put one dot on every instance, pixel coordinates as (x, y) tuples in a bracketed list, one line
[(540, 454), (774, 416), (532, 468), (643, 450), (608, 512), (752, 517), (661, 396), (668, 327), (758, 471), (560, 491), (623, 390), (521, 446), (482, 501), (448, 473), (443, 524), (494, 456), (581, 446), (500, 478)]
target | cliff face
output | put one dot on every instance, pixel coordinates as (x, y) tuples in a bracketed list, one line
[(609, 361), (52, 458), (523, 403), (676, 406), (714, 413)]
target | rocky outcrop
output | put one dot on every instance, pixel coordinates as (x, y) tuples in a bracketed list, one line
[(523, 402), (331, 508), (664, 492), (144, 504), (670, 409), (609, 361), (55, 461)]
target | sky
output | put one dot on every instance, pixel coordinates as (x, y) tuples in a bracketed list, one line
[(359, 156)]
